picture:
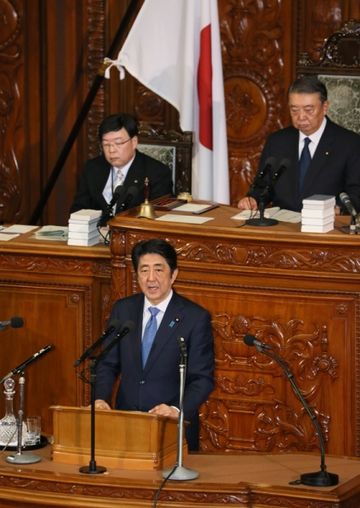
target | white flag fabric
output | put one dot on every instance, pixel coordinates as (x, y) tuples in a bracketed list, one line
[(173, 48)]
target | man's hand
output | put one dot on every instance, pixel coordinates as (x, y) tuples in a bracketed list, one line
[(101, 404), (165, 410), (247, 203)]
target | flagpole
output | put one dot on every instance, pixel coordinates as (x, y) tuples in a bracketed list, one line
[(132, 8)]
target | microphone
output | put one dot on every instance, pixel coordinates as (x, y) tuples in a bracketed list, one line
[(250, 340), (262, 188), (116, 196), (132, 192), (321, 478), (114, 326), (346, 201), (183, 348), (128, 326), (108, 213), (27, 362), (270, 162), (14, 322), (284, 164)]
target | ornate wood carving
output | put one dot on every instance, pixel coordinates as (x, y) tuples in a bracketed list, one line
[(11, 25), (340, 54), (50, 264), (253, 62), (96, 52), (246, 383)]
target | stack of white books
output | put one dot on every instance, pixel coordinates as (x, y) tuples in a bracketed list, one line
[(83, 228), (318, 214)]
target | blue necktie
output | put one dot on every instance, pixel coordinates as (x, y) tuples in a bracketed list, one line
[(304, 162), (149, 334)]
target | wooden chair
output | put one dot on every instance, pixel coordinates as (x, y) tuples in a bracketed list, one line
[(339, 69), (173, 149)]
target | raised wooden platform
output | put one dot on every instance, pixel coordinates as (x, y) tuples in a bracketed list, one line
[(244, 480)]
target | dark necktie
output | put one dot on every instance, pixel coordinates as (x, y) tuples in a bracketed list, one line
[(304, 162), (149, 334)]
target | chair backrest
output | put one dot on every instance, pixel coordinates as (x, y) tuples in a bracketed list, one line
[(163, 153), (173, 149), (339, 69)]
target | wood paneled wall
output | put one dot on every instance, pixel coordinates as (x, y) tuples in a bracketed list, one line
[(51, 50)]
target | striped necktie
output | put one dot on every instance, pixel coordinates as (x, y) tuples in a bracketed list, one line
[(119, 177)]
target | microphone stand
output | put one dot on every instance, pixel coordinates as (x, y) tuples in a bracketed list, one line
[(19, 457), (179, 472), (353, 228), (262, 221), (320, 478), (92, 468)]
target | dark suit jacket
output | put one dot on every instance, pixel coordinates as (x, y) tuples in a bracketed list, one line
[(159, 381), (96, 172), (335, 166)]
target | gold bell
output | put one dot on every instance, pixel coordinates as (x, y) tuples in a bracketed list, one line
[(147, 210)]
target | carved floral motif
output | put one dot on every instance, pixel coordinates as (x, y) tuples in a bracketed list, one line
[(299, 258), (278, 424), (10, 55), (51, 264)]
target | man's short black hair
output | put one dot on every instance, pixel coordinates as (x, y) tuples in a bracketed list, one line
[(309, 84), (154, 246), (118, 121)]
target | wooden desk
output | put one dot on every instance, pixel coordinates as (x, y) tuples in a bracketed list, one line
[(244, 480), (63, 294), (300, 292)]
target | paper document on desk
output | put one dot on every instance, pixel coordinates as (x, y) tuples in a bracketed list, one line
[(282, 215), (196, 208), (52, 233), (18, 229), (187, 219), (5, 237)]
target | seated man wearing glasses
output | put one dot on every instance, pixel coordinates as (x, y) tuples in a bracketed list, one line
[(122, 168)]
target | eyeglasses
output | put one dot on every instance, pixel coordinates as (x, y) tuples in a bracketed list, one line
[(116, 144)]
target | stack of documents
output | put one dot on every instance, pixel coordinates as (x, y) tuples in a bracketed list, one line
[(318, 214), (83, 228)]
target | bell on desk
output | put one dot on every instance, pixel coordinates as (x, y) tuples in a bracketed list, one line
[(146, 209)]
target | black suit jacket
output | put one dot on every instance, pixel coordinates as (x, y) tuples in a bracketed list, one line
[(335, 167), (141, 389), (96, 172)]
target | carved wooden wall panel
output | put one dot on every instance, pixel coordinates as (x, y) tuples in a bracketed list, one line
[(64, 300), (257, 69), (253, 407), (317, 20), (11, 126)]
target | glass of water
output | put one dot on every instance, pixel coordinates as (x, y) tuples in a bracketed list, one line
[(33, 430)]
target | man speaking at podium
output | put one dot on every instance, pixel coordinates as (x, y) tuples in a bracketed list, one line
[(319, 156), (147, 359)]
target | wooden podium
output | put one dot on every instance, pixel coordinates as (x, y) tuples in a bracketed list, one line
[(123, 439)]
